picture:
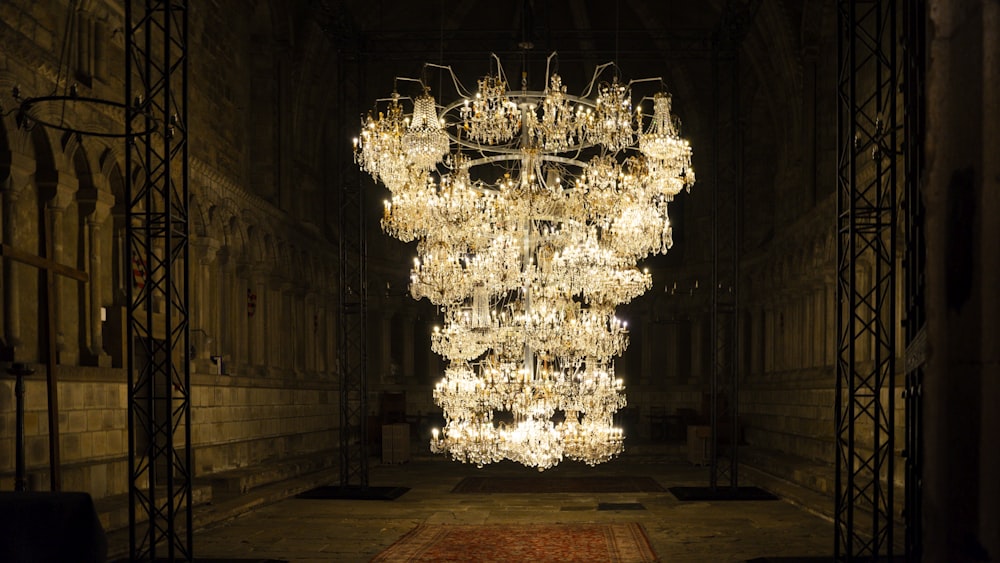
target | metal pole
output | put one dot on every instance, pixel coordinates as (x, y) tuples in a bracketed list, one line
[(19, 371)]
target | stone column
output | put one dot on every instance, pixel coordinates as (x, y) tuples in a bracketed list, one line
[(95, 206), (755, 326), (270, 345), (259, 348), (800, 328), (12, 189), (646, 351), (668, 332), (818, 328), (329, 359), (318, 335), (305, 333), (770, 337), (57, 196), (297, 337), (384, 350), (206, 309), (241, 321), (961, 389), (407, 369), (314, 320), (220, 291)]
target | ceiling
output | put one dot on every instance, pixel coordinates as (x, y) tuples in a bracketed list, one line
[(674, 40)]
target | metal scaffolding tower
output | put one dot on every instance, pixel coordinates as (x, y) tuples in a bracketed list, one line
[(866, 278), (914, 262), (353, 287), (727, 191), (156, 229)]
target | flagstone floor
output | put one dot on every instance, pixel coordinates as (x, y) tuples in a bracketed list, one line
[(299, 530)]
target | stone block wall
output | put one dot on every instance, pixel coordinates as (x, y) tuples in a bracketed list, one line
[(277, 395), (236, 422), (92, 433), (243, 422)]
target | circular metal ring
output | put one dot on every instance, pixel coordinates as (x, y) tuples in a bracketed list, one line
[(30, 103)]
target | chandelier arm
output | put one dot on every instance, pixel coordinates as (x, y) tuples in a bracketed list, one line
[(650, 79), (459, 88), (523, 96), (500, 71), (593, 80), (408, 79), (510, 157), (548, 61)]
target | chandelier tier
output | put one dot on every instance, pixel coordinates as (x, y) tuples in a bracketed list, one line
[(530, 210)]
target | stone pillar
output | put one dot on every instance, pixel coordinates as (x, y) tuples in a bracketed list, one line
[(318, 334), (383, 364), (671, 369), (805, 331), (95, 206), (770, 337), (646, 350), (696, 369), (12, 189), (330, 357), (989, 463), (206, 307), (259, 348), (815, 316), (58, 196), (407, 369), (756, 329), (222, 292), (961, 193), (303, 326), (241, 320)]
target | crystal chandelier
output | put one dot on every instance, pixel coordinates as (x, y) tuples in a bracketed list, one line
[(530, 210)]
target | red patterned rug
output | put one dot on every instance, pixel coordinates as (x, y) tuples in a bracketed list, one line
[(537, 543), (546, 484)]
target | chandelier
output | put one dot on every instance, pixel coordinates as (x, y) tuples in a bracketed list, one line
[(530, 210)]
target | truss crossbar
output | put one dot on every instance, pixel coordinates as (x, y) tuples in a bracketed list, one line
[(866, 326)]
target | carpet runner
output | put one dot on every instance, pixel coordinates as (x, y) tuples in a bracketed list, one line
[(537, 543), (538, 484)]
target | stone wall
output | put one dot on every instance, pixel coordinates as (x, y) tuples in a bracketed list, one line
[(262, 304)]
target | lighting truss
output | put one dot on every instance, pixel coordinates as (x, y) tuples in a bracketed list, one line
[(156, 226), (724, 390), (351, 330), (914, 265), (866, 276)]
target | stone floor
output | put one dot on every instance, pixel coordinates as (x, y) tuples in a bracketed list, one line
[(298, 530)]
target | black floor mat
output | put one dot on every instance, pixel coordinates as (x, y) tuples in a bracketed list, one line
[(353, 493), (620, 506), (226, 560), (721, 493), (785, 559)]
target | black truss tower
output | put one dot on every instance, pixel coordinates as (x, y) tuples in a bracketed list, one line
[(866, 277), (353, 309), (724, 440), (156, 226), (726, 198), (914, 263)]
